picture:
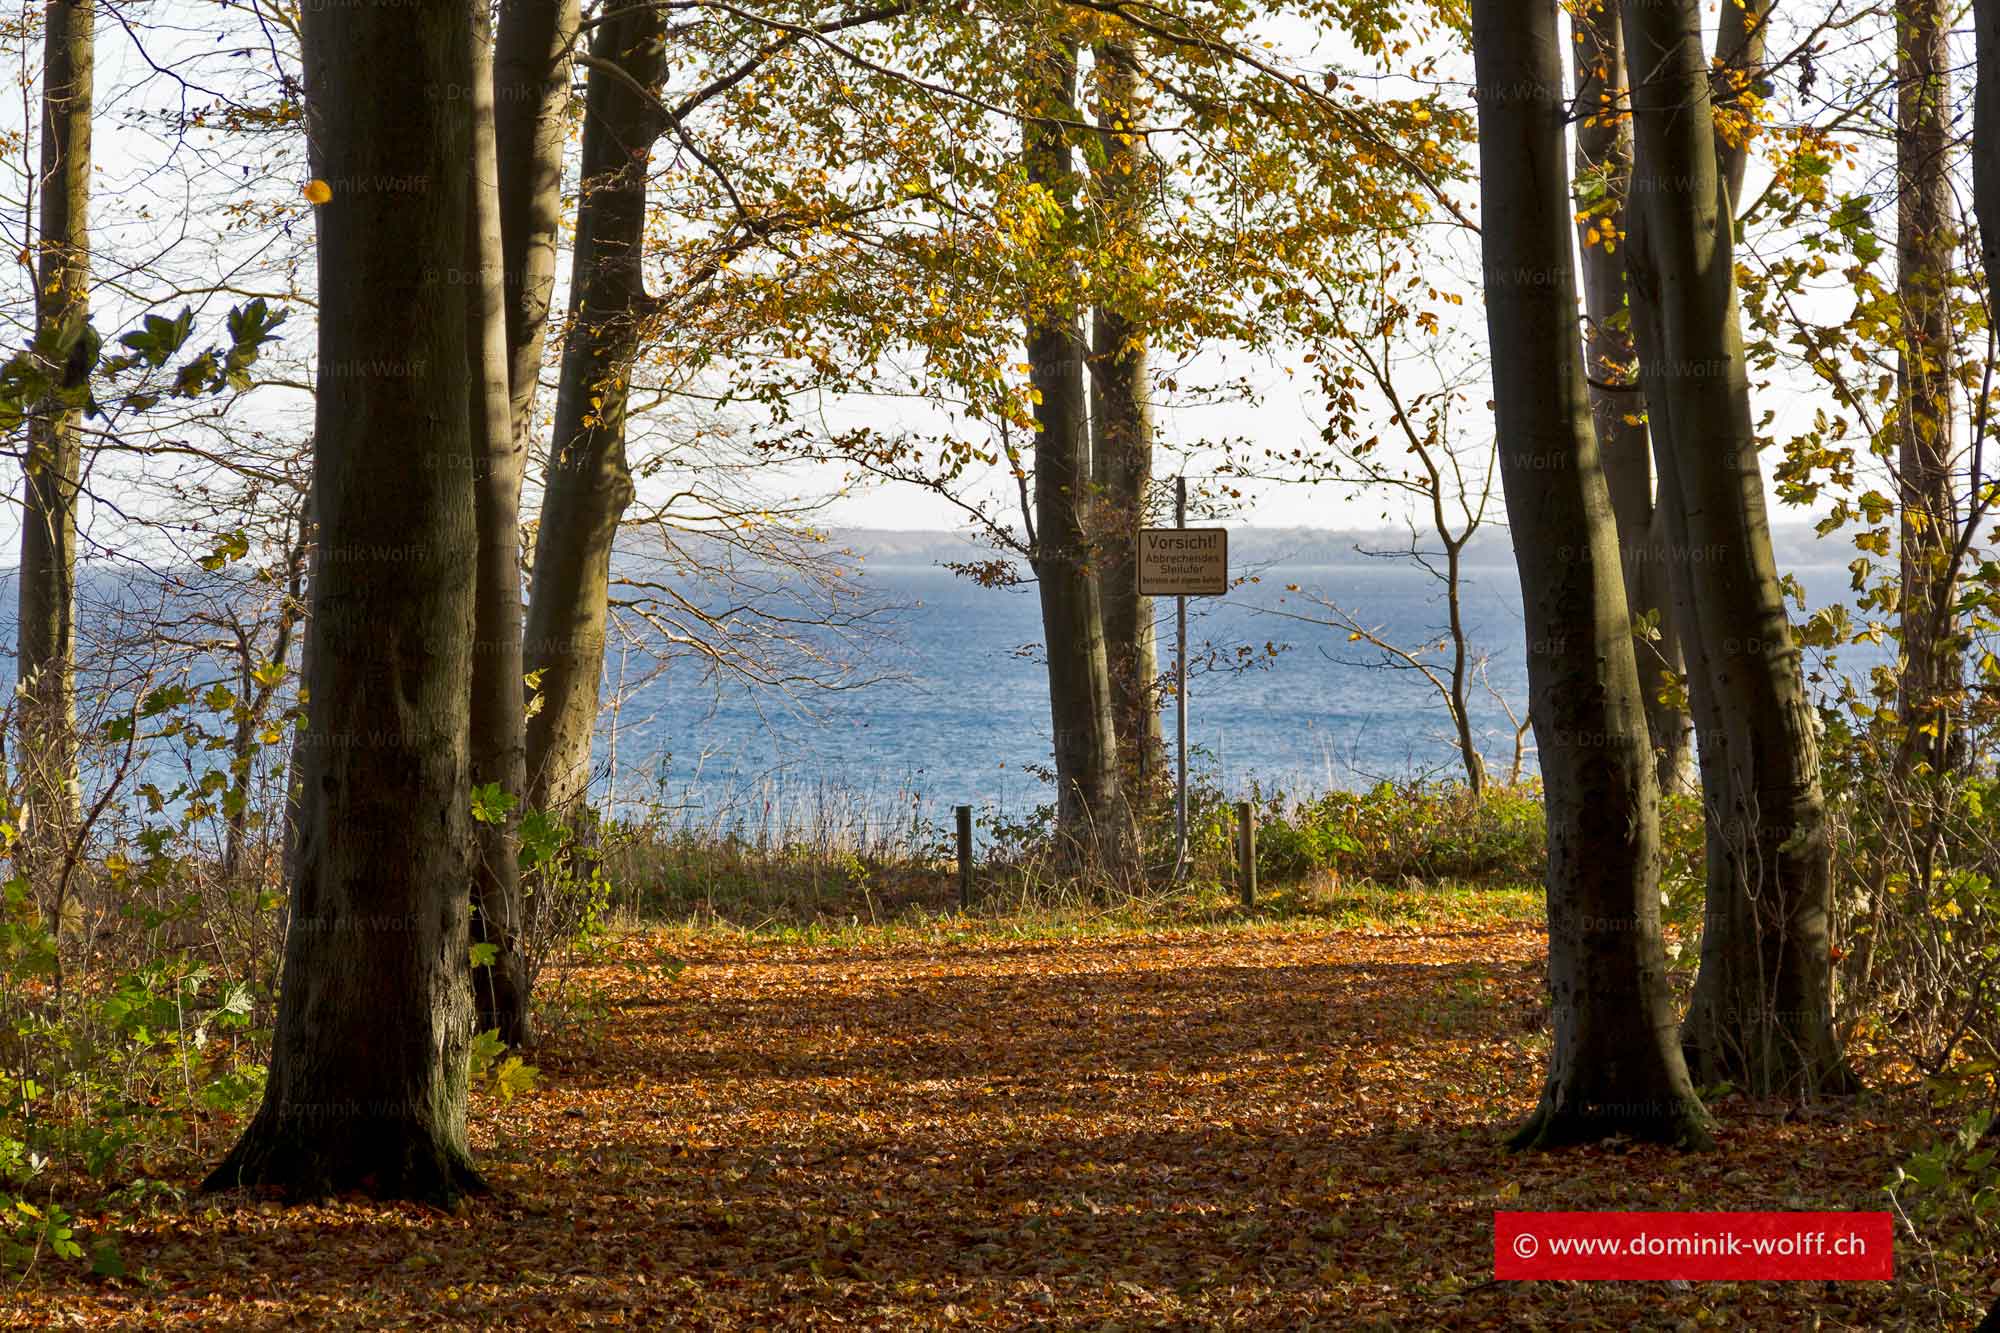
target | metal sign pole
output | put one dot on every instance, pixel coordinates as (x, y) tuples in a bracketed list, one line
[(1180, 700)]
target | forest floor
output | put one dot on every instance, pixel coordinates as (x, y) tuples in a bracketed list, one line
[(1286, 1127)]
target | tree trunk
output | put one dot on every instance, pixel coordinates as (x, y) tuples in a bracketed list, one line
[(367, 1082), (498, 706), (1740, 32), (1615, 1067), (1604, 152), (1461, 649), (1761, 1015), (589, 484), (1986, 143), (1092, 818), (532, 61), (1121, 414), (52, 468), (1926, 245)]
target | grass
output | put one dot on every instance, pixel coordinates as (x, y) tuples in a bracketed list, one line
[(1398, 854)]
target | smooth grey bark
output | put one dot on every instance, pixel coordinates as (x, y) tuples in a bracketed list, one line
[(533, 56), (1986, 142), (367, 1082), (1604, 151), (589, 483), (1741, 30), (1121, 416), (499, 717), (1926, 250), (1761, 1015), (1615, 1066), (46, 634), (1093, 820), (258, 695)]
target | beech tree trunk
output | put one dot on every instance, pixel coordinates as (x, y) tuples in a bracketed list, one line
[(1121, 415), (589, 484), (1741, 30), (1604, 153), (499, 707), (1926, 246), (1616, 1066), (52, 469), (1093, 820), (1761, 1016), (367, 1082), (1986, 143), (532, 62)]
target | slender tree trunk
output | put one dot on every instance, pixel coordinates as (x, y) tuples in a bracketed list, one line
[(1741, 29), (1762, 1014), (1121, 414), (1092, 817), (367, 1082), (257, 697), (1986, 143), (1926, 246), (309, 652), (499, 707), (47, 590), (1604, 156), (1616, 1066), (589, 484), (533, 57)]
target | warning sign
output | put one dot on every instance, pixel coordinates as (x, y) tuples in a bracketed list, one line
[(1183, 562)]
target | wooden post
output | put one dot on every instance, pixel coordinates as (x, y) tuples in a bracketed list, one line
[(964, 857), (1246, 843), (1180, 702)]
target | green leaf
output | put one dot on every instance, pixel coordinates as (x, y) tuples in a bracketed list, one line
[(105, 1261), (513, 1078), (491, 805)]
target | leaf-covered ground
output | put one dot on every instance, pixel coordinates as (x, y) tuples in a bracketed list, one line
[(1278, 1129)]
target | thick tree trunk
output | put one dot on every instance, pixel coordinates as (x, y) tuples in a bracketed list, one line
[(532, 60), (589, 484), (47, 588), (1604, 152), (367, 1081), (1761, 1016), (1926, 246), (1616, 1066), (1121, 415), (499, 707), (1092, 817)]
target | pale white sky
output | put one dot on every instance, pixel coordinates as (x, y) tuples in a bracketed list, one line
[(158, 214)]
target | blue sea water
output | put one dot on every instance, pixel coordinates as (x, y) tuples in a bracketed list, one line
[(1280, 699), (966, 720)]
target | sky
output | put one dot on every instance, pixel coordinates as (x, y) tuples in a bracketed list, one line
[(160, 225)]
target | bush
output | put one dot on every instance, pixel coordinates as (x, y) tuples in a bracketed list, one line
[(1395, 832)]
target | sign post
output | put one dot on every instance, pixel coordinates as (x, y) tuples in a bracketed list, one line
[(1182, 562)]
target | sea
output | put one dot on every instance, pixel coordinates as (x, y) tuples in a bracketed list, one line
[(944, 701), (1282, 697)]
